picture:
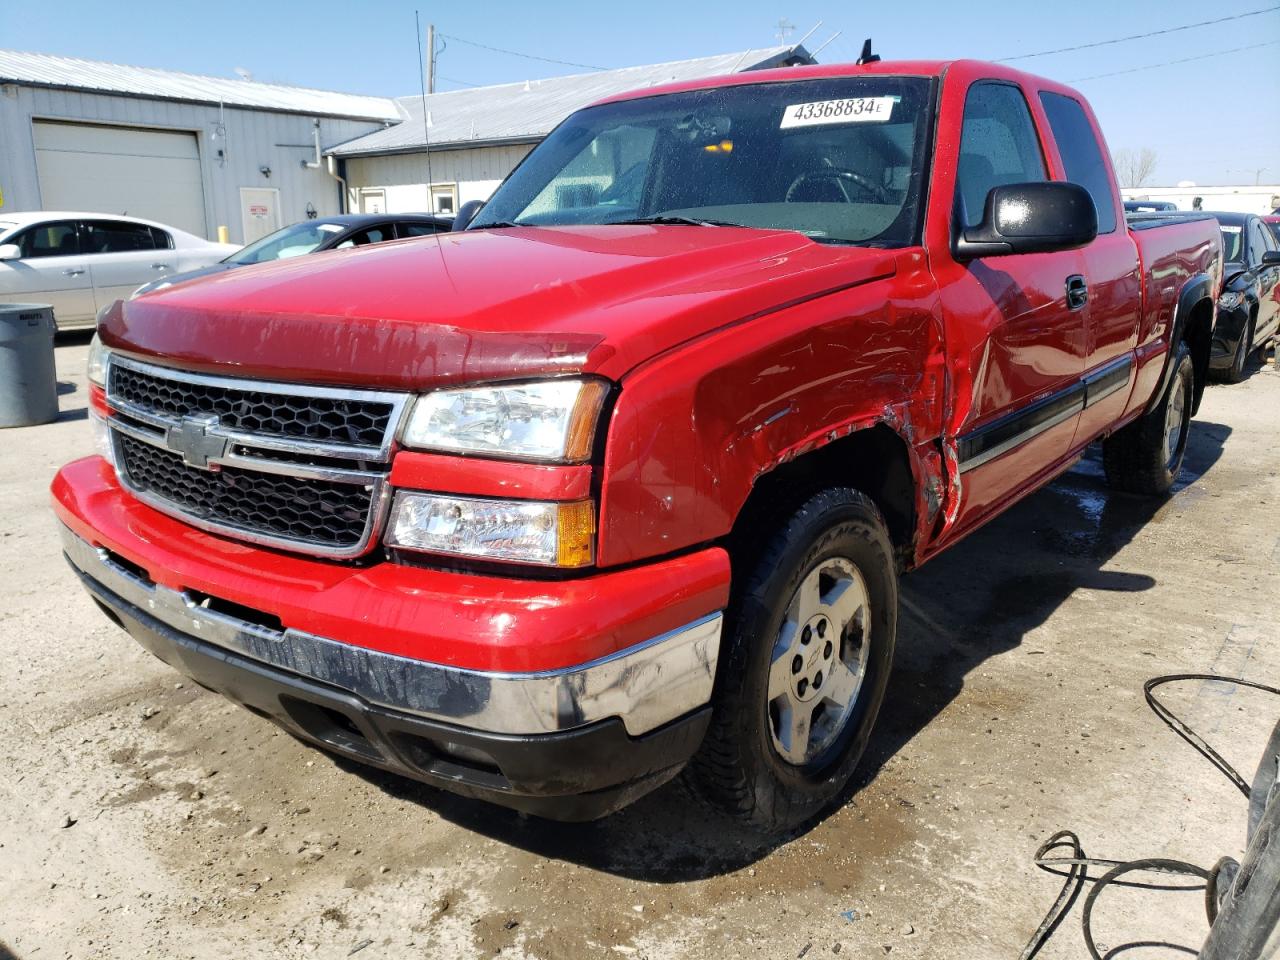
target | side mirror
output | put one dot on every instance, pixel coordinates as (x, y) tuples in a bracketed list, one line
[(1270, 258), (1030, 218), (10, 251), (466, 213)]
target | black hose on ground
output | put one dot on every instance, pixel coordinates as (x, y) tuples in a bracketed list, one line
[(1077, 864)]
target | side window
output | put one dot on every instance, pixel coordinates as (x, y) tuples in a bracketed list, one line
[(116, 236), (417, 229), (1081, 154), (1257, 242), (998, 146), (49, 240), (366, 237), (162, 240)]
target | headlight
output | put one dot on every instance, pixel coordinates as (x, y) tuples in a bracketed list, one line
[(98, 362), (515, 531), (549, 420), (1230, 300)]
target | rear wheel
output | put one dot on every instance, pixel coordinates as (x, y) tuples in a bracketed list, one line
[(1146, 456), (805, 662)]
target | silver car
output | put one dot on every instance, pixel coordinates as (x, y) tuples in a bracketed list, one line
[(80, 262)]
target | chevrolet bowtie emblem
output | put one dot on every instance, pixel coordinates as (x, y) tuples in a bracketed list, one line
[(198, 446)]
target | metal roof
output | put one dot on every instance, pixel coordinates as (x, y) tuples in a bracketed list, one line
[(514, 112), (47, 70)]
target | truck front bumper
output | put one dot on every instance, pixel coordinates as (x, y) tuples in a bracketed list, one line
[(566, 742)]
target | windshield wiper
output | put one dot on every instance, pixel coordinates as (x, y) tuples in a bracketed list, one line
[(674, 220), (496, 225)]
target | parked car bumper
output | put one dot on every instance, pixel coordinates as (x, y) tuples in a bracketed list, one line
[(568, 741), (1230, 326)]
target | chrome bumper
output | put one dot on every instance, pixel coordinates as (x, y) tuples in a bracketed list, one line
[(646, 685)]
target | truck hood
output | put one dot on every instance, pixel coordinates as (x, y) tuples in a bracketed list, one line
[(484, 304)]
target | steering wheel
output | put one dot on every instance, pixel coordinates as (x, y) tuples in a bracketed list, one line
[(840, 176)]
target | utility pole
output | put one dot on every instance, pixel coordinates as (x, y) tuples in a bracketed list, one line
[(785, 29), (431, 58)]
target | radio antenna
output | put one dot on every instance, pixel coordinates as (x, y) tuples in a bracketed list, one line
[(426, 117), (867, 55)]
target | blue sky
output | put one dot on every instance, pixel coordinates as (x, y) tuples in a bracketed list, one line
[(1213, 120)]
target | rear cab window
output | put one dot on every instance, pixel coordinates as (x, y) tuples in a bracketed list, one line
[(1081, 154), (998, 146)]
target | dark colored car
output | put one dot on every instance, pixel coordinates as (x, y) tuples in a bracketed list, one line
[(313, 236), (1249, 304), (1149, 206)]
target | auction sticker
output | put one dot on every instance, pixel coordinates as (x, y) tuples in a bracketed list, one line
[(855, 110)]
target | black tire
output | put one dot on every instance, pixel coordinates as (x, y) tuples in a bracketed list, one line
[(1239, 368), (739, 769), (1135, 458)]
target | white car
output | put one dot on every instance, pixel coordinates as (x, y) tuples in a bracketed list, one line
[(81, 262)]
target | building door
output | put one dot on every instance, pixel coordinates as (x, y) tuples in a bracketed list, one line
[(153, 174), (373, 201), (259, 212)]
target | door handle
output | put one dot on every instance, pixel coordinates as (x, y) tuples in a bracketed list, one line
[(159, 266), (73, 271), (1077, 292)]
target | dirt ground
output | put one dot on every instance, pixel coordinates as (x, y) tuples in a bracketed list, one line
[(143, 817)]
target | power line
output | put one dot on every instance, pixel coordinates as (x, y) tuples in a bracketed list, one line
[(1169, 63), (1141, 36), (526, 56), (461, 83)]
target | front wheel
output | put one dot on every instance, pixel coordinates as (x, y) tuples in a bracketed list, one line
[(1146, 456), (806, 659), (1240, 359)]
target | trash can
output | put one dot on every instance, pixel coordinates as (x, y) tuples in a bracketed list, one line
[(28, 384)]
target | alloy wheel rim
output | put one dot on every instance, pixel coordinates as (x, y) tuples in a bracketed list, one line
[(819, 660), (1173, 421)]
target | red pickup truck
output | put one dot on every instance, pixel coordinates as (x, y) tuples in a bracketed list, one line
[(619, 480)]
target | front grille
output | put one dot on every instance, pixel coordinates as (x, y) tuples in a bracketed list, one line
[(321, 419), (312, 511), (286, 465)]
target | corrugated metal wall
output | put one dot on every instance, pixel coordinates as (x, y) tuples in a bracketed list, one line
[(252, 139), (475, 170)]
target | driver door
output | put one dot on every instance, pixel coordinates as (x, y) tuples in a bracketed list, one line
[(1016, 344)]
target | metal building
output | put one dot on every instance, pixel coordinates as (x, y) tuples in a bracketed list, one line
[(477, 136), (193, 151)]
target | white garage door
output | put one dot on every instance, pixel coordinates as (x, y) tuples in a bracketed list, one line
[(144, 173)]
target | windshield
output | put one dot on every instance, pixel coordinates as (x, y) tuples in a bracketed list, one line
[(292, 241), (839, 160), (1232, 242)]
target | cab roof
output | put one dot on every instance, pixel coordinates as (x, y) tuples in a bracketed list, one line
[(881, 68)]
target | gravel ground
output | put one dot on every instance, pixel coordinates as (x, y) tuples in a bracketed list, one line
[(141, 816)]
